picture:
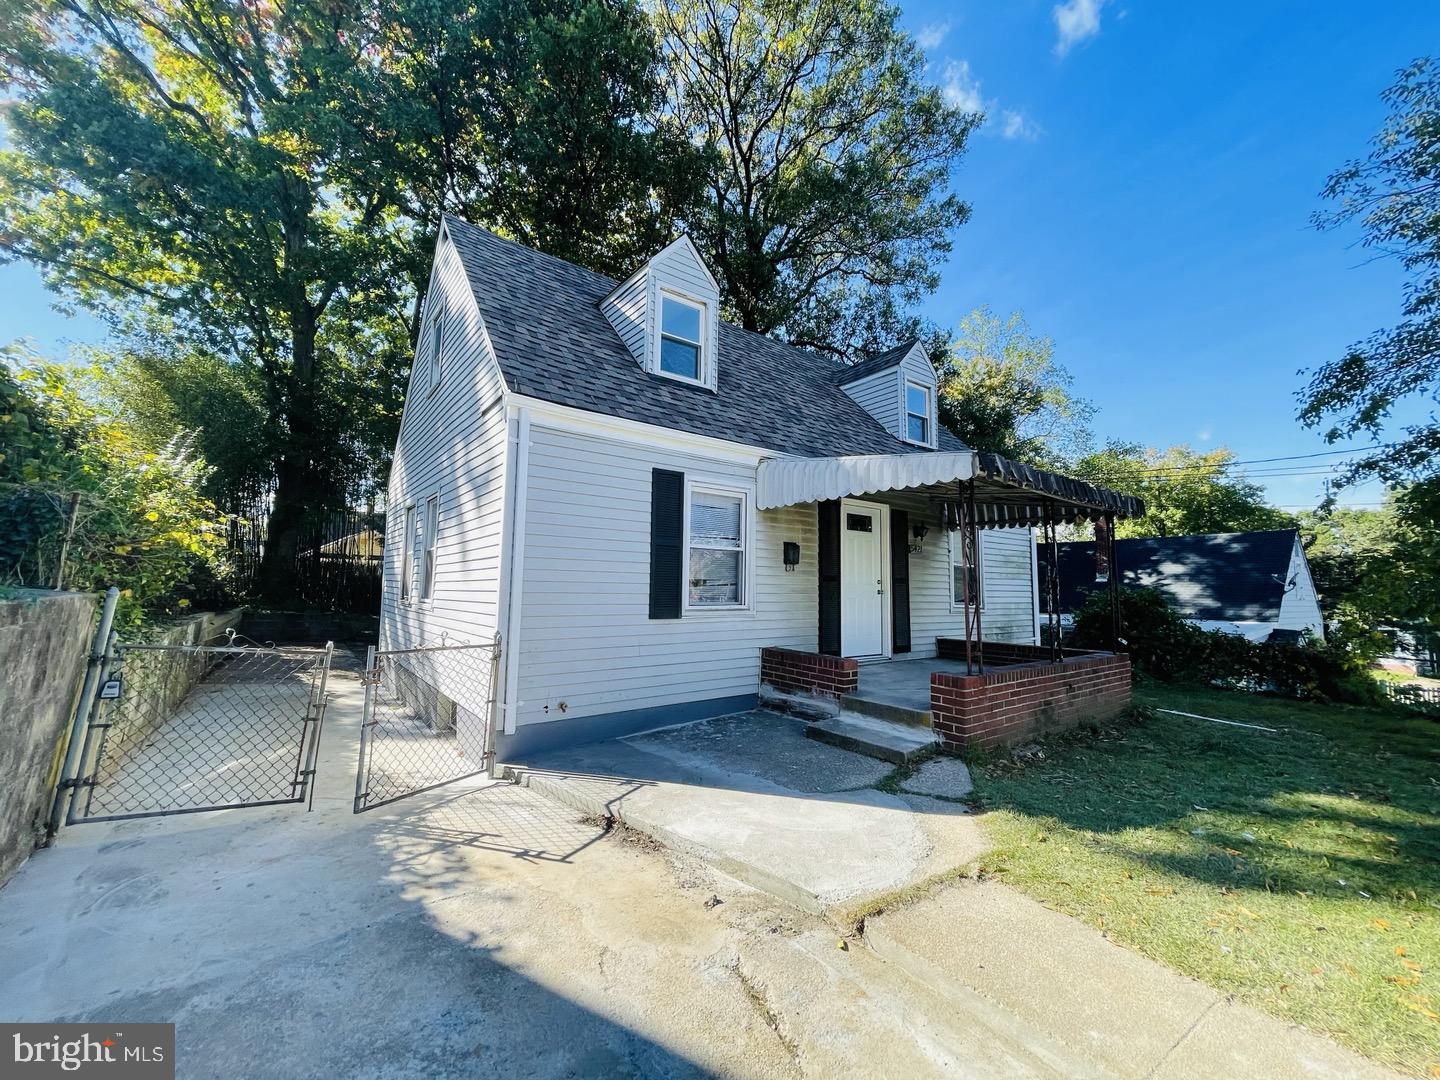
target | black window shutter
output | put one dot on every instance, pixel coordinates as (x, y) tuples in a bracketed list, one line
[(830, 577), (900, 580), (667, 542)]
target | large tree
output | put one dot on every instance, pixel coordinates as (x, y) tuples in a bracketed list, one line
[(1394, 197), (1185, 491), (828, 206), (1001, 390), (253, 177)]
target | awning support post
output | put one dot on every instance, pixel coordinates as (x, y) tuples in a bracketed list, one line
[(1052, 580), (1113, 583), (972, 568), (962, 525)]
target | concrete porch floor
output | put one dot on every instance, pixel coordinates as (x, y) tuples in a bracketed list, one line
[(904, 683)]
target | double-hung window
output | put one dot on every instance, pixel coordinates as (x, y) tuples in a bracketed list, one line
[(427, 559), (715, 563), (917, 413), (964, 577), (437, 340), (407, 554), (682, 341)]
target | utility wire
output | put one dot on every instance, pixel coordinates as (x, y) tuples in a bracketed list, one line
[(1217, 466)]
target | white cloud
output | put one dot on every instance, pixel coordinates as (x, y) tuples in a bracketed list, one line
[(1076, 21), (1016, 125), (931, 35), (1206, 433), (962, 90)]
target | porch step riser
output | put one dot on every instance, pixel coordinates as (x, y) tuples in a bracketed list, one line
[(883, 710), (901, 748)]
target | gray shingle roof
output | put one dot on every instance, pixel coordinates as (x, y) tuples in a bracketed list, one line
[(878, 362), (1227, 577), (553, 342)]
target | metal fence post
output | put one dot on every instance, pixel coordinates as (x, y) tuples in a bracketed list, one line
[(99, 655), (318, 708), (362, 771)]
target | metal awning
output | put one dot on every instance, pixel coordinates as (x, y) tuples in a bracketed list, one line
[(1007, 494)]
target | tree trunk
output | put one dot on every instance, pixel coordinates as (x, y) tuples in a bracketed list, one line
[(301, 493)]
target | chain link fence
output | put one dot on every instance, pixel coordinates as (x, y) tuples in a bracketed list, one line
[(181, 728), (429, 715)]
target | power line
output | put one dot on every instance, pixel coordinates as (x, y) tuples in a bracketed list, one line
[(1217, 466)]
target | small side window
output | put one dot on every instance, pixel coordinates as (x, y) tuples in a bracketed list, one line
[(437, 342), (407, 554), (427, 561)]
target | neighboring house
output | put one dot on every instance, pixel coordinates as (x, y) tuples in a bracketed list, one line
[(1251, 584), (639, 498)]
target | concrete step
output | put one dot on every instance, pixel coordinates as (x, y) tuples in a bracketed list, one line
[(901, 744), (885, 710)]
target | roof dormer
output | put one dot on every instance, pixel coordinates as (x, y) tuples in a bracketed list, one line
[(898, 387), (668, 315)]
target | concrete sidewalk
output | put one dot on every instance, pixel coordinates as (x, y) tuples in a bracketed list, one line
[(1131, 1016), (473, 931), (754, 798)]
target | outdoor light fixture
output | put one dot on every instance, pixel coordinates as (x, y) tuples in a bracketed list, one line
[(919, 530)]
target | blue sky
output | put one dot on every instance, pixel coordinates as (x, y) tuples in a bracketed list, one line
[(1142, 191)]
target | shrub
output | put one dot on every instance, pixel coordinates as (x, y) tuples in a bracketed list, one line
[(1162, 644), (142, 524)]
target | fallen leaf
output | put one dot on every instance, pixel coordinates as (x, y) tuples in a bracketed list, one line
[(1381, 924), (1410, 965), (1399, 950)]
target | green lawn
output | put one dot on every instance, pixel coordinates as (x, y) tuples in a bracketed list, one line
[(1298, 871)]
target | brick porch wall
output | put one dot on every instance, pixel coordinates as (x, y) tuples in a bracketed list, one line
[(1002, 652), (1012, 704), (795, 672)]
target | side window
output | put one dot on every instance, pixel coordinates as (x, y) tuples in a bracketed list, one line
[(407, 553), (963, 577), (437, 342), (427, 558)]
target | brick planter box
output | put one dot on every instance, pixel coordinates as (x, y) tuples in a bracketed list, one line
[(1012, 704), (793, 672)]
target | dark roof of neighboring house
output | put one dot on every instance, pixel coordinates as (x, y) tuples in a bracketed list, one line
[(552, 341), (879, 362), (1226, 577)]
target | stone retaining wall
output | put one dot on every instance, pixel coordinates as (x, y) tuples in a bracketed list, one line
[(44, 640)]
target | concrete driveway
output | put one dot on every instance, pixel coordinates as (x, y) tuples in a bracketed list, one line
[(471, 931)]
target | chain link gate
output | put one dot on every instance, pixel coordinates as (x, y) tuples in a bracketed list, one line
[(177, 729), (429, 720)]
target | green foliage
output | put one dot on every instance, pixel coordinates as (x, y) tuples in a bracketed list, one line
[(1001, 390), (1394, 196), (1378, 568), (1185, 491), (1165, 646), (827, 208), (143, 524)]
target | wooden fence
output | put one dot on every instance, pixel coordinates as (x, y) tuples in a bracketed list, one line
[(338, 563), (1426, 699)]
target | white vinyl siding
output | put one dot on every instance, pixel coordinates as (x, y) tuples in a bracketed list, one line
[(1300, 606), (587, 641), (452, 446), (627, 308), (876, 395), (436, 356)]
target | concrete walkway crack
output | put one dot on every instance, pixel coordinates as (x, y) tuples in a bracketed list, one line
[(1183, 1036)]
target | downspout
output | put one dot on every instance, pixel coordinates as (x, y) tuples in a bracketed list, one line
[(519, 489)]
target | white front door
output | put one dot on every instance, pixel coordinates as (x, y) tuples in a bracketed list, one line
[(863, 532)]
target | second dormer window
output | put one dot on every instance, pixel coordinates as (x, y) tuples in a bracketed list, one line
[(917, 413), (681, 344)]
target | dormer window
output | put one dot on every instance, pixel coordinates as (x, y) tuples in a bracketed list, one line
[(917, 413), (682, 344)]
